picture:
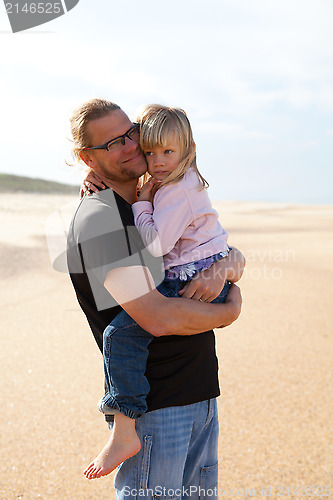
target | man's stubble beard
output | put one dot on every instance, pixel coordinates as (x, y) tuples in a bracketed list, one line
[(134, 175), (126, 174)]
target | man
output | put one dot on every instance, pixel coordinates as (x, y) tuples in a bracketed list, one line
[(109, 265)]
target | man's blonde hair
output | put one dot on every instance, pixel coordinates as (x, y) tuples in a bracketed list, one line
[(82, 116), (157, 123)]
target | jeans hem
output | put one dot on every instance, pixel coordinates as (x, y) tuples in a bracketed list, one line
[(111, 407)]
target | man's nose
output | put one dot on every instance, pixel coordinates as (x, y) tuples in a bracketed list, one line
[(130, 144)]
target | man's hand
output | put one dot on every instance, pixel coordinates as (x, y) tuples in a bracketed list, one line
[(234, 299), (235, 264), (133, 288)]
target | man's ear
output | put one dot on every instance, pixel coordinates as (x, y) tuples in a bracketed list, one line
[(86, 158)]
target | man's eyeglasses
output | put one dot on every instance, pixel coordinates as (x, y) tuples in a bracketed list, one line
[(133, 134)]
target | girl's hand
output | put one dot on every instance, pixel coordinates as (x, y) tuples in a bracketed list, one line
[(148, 190), (91, 182), (208, 284)]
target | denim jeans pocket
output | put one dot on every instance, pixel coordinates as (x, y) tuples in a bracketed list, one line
[(212, 408), (147, 444), (208, 482), (122, 320), (108, 332)]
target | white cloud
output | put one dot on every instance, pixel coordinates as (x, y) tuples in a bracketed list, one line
[(258, 73), (231, 130), (245, 56)]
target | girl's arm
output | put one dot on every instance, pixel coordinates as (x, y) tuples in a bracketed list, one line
[(160, 230), (162, 226), (90, 182)]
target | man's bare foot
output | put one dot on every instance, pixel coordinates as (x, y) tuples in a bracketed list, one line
[(123, 444)]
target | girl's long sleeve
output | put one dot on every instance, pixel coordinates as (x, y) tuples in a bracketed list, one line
[(182, 226), (162, 226)]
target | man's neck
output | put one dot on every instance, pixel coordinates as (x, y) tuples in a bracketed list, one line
[(127, 190)]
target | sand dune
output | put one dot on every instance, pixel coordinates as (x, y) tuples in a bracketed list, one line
[(275, 361)]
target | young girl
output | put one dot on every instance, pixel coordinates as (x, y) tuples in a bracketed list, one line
[(175, 219)]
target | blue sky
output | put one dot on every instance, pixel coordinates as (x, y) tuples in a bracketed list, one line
[(255, 77)]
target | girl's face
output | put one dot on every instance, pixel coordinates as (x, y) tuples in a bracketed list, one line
[(162, 160)]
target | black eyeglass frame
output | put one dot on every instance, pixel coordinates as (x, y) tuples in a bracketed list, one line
[(122, 137)]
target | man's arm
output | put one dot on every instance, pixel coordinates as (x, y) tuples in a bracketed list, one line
[(133, 288)]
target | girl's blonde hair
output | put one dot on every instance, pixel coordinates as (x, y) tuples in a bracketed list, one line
[(157, 123)]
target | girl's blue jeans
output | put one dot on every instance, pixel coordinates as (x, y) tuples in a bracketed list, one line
[(125, 353)]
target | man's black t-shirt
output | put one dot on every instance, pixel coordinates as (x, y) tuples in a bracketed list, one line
[(180, 370)]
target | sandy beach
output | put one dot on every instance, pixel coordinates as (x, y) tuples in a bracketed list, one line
[(275, 362)]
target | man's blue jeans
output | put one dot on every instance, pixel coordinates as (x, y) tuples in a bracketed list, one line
[(178, 456)]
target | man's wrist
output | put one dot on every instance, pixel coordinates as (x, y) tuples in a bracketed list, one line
[(231, 313)]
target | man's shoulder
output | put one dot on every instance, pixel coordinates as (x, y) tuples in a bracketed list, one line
[(95, 205), (96, 214)]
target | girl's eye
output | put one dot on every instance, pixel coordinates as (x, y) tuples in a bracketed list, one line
[(148, 153), (168, 151)]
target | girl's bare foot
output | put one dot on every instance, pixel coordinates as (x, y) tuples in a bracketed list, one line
[(123, 444)]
